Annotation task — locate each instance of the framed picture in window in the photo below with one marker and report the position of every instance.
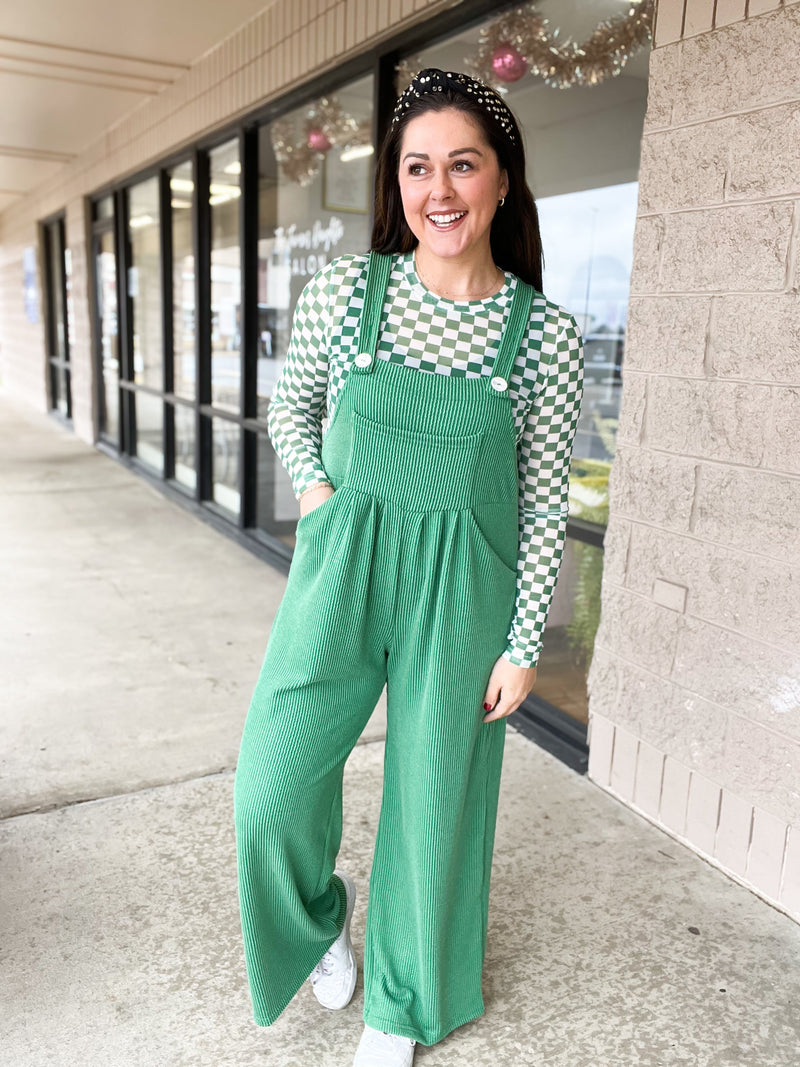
(347, 182)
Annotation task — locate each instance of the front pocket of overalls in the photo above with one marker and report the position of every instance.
(418, 469)
(490, 551)
(304, 521)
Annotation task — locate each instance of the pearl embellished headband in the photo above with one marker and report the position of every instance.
(433, 80)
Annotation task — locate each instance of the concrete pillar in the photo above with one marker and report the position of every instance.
(695, 682)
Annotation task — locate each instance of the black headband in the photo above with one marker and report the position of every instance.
(433, 80)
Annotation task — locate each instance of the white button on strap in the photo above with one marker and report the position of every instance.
(363, 359)
(499, 383)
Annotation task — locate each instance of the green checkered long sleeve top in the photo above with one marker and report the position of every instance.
(442, 336)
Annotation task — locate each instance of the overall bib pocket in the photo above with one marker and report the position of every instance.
(417, 469)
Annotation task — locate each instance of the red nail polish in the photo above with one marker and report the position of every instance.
(487, 707)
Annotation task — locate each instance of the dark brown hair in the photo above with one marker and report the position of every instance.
(515, 239)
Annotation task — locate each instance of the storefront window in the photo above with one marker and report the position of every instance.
(588, 241)
(226, 277)
(149, 429)
(183, 282)
(571, 628)
(185, 455)
(106, 279)
(104, 208)
(582, 145)
(144, 283)
(315, 201)
(184, 318)
(225, 465)
(59, 339)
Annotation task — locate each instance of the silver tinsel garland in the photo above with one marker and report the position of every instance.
(521, 37)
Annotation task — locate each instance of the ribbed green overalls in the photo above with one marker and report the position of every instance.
(404, 576)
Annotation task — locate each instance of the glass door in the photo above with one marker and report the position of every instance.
(145, 303)
(57, 279)
(108, 334)
(106, 322)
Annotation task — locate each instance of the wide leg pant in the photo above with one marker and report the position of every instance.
(419, 601)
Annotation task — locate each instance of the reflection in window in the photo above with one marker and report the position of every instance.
(225, 464)
(106, 272)
(57, 262)
(312, 208)
(185, 456)
(70, 301)
(183, 281)
(144, 283)
(588, 241)
(571, 628)
(56, 283)
(582, 152)
(276, 505)
(150, 430)
(226, 276)
(314, 205)
(104, 208)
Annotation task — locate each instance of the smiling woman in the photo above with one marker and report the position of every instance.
(449, 199)
(452, 387)
(455, 150)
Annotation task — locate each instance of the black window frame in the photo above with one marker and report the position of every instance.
(53, 230)
(98, 228)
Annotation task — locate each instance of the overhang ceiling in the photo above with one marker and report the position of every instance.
(70, 70)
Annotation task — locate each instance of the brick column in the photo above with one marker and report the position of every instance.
(695, 682)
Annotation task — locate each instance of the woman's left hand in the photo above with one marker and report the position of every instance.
(508, 686)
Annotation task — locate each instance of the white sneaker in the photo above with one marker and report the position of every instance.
(378, 1048)
(334, 978)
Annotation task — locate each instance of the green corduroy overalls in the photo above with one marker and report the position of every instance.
(405, 577)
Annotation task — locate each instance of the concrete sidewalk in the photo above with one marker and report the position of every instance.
(132, 634)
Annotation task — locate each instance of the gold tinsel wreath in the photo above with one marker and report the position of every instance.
(298, 160)
(559, 64)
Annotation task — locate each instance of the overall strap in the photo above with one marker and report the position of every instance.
(379, 267)
(518, 318)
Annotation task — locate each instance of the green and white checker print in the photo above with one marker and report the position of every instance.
(440, 336)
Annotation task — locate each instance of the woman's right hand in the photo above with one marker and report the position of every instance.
(315, 496)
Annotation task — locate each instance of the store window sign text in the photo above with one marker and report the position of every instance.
(319, 240)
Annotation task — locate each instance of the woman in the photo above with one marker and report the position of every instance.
(431, 530)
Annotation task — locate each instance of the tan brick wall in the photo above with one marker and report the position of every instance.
(695, 684)
(288, 43)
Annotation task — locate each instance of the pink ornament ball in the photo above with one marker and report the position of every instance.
(508, 64)
(318, 141)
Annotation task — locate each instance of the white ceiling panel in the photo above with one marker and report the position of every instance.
(18, 173)
(63, 118)
(171, 31)
(69, 71)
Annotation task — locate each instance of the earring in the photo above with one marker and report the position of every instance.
(501, 201)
